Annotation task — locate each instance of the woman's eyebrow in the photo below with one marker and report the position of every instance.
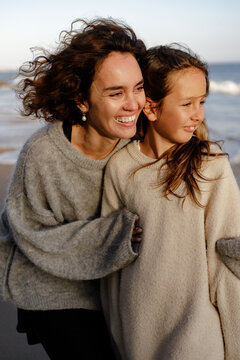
(119, 87)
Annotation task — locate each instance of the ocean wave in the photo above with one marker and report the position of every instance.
(9, 157)
(225, 87)
(4, 85)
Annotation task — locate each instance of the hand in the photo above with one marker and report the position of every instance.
(137, 232)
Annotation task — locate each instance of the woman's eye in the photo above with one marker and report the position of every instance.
(115, 94)
(203, 102)
(140, 88)
(187, 104)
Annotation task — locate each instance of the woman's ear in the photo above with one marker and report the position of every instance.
(150, 109)
(82, 106)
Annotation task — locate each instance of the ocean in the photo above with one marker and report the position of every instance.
(222, 113)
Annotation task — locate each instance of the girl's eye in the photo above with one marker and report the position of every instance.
(203, 102)
(187, 104)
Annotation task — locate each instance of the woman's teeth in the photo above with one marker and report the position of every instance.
(126, 119)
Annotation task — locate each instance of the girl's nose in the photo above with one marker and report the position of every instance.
(198, 113)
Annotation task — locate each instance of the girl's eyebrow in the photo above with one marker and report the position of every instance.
(195, 97)
(111, 88)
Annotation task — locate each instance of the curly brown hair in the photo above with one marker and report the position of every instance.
(183, 160)
(52, 83)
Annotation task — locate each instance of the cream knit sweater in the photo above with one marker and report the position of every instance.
(177, 301)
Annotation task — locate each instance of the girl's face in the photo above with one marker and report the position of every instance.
(116, 97)
(182, 110)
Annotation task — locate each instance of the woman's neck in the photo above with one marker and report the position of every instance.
(89, 143)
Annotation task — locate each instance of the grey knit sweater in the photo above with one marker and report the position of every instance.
(53, 245)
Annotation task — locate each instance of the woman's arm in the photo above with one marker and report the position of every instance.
(79, 250)
(229, 251)
(82, 249)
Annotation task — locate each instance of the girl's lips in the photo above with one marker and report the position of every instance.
(190, 128)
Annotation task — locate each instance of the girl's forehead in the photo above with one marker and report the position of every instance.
(190, 80)
(187, 83)
(187, 72)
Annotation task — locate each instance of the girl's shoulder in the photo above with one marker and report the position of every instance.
(132, 155)
(125, 154)
(124, 161)
(217, 163)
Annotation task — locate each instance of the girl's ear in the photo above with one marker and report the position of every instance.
(150, 109)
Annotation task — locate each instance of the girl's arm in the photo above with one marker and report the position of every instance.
(222, 222)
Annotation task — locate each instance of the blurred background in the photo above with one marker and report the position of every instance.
(209, 28)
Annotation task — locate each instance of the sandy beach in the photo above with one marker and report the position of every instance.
(13, 345)
(236, 171)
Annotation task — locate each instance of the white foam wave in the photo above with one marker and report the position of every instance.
(225, 87)
(9, 157)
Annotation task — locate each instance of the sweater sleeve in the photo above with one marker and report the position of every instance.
(79, 250)
(114, 185)
(222, 220)
(111, 199)
(229, 251)
(113, 195)
(84, 249)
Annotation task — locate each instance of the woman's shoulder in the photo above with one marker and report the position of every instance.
(36, 152)
(33, 140)
(39, 142)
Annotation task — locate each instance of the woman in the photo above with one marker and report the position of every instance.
(53, 244)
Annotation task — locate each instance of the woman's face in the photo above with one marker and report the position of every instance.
(116, 97)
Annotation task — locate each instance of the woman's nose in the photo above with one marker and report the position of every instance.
(131, 103)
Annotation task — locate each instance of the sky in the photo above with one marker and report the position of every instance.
(210, 28)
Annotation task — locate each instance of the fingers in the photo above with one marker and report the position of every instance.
(137, 234)
(137, 230)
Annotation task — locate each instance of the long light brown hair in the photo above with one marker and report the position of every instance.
(184, 160)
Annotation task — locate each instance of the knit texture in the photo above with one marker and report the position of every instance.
(53, 245)
(229, 251)
(177, 301)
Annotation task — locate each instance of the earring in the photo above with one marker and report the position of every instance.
(84, 118)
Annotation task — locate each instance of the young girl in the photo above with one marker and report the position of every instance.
(177, 300)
